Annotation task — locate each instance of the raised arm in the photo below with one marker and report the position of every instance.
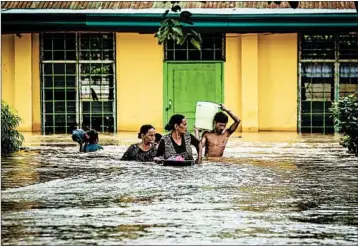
(236, 119)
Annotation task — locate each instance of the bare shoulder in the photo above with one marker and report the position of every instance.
(205, 133)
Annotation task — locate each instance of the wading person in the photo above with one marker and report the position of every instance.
(81, 137)
(178, 142)
(93, 142)
(145, 150)
(215, 141)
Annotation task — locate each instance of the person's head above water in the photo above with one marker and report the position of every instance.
(147, 133)
(178, 123)
(93, 136)
(220, 121)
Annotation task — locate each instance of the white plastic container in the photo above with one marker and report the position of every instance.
(204, 114)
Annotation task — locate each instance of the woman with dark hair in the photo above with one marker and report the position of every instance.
(146, 149)
(178, 142)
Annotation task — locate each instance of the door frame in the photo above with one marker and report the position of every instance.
(165, 83)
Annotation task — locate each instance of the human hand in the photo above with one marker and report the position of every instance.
(196, 129)
(158, 159)
(198, 160)
(223, 107)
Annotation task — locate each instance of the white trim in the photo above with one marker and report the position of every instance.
(227, 11)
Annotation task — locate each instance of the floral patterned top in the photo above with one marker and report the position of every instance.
(169, 148)
(134, 153)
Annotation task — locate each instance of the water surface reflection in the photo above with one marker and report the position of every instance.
(267, 189)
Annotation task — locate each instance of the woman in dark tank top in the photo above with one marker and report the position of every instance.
(178, 142)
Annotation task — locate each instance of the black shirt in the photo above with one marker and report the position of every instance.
(134, 153)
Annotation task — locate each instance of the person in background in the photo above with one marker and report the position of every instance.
(93, 142)
(178, 142)
(81, 137)
(146, 149)
(215, 141)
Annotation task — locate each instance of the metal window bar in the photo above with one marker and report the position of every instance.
(324, 56)
(55, 121)
(187, 52)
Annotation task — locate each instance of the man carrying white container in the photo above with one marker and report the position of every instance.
(215, 141)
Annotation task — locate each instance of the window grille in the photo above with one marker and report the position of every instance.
(72, 66)
(328, 69)
(213, 49)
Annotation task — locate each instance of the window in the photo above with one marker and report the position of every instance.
(78, 82)
(328, 69)
(213, 49)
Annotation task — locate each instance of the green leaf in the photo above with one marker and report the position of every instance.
(182, 40)
(196, 43)
(176, 23)
(178, 31)
(11, 139)
(197, 35)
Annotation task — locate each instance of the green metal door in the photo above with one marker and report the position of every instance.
(187, 83)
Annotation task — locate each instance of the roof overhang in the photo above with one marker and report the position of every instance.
(205, 20)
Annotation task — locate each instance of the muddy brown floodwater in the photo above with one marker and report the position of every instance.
(269, 188)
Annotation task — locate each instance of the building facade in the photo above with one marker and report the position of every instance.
(98, 64)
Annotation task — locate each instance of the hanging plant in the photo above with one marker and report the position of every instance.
(172, 27)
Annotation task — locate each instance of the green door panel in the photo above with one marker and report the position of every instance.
(188, 83)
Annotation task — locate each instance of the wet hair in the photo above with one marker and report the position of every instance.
(144, 129)
(175, 119)
(220, 117)
(93, 136)
(158, 137)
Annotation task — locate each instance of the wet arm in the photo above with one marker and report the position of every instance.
(200, 150)
(236, 119)
(203, 141)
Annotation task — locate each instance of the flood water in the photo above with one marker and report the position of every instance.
(270, 188)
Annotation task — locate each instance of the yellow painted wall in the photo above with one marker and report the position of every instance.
(7, 68)
(23, 80)
(278, 82)
(249, 81)
(260, 80)
(232, 75)
(139, 70)
(36, 89)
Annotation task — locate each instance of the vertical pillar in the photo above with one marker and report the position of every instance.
(250, 82)
(7, 68)
(36, 89)
(23, 81)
